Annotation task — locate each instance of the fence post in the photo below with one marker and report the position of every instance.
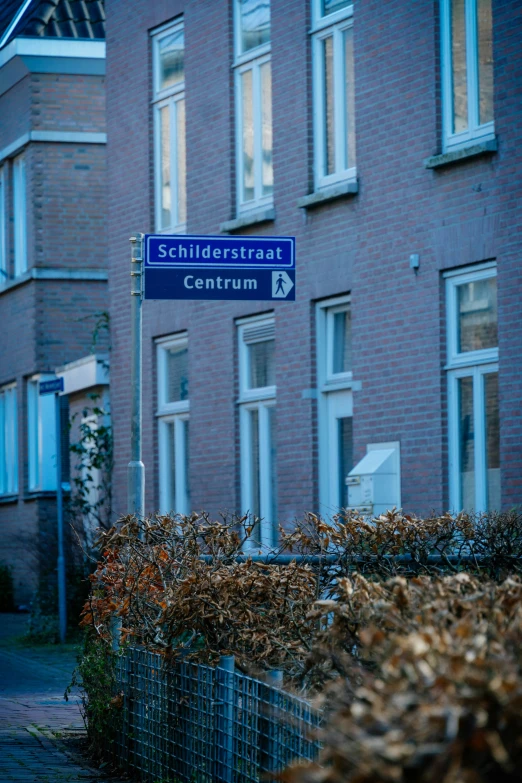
(269, 740)
(225, 720)
(115, 632)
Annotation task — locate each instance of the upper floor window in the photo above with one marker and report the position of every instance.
(473, 401)
(8, 440)
(333, 91)
(41, 431)
(255, 176)
(19, 216)
(467, 62)
(170, 174)
(257, 418)
(173, 424)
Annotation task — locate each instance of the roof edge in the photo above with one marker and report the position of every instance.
(35, 46)
(14, 22)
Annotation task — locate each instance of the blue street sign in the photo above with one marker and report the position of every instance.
(219, 267)
(51, 387)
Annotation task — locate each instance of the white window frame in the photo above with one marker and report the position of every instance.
(252, 60)
(322, 27)
(169, 97)
(3, 245)
(454, 279)
(20, 215)
(261, 400)
(475, 132)
(41, 436)
(334, 394)
(8, 440)
(172, 413)
(474, 364)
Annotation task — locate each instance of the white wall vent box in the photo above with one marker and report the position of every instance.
(374, 484)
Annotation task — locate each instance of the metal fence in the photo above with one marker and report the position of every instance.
(194, 723)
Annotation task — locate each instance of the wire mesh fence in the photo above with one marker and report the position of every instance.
(194, 723)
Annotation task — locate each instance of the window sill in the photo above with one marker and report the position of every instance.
(54, 273)
(332, 386)
(14, 282)
(39, 494)
(454, 156)
(5, 499)
(265, 215)
(331, 193)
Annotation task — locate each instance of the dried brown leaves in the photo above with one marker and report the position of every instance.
(419, 671)
(432, 685)
(180, 590)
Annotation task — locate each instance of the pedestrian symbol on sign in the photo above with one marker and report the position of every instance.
(281, 285)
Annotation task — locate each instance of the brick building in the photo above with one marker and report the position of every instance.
(386, 139)
(53, 274)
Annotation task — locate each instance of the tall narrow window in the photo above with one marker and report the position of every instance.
(474, 438)
(334, 93)
(173, 421)
(3, 248)
(334, 372)
(467, 59)
(169, 129)
(41, 431)
(258, 425)
(20, 216)
(255, 176)
(8, 440)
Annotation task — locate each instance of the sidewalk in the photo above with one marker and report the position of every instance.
(40, 733)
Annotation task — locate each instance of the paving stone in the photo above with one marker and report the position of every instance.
(32, 707)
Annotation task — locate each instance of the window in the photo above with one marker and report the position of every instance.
(474, 442)
(255, 176)
(169, 129)
(173, 421)
(257, 419)
(41, 430)
(3, 250)
(334, 372)
(467, 71)
(8, 440)
(333, 89)
(20, 216)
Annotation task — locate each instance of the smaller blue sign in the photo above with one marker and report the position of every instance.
(51, 387)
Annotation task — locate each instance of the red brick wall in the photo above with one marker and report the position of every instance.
(47, 323)
(463, 214)
(67, 102)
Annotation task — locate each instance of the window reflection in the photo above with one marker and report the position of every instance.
(254, 20)
(171, 59)
(342, 342)
(466, 444)
(459, 67)
(177, 374)
(485, 60)
(262, 364)
(331, 6)
(477, 315)
(492, 418)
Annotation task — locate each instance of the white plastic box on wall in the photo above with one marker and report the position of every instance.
(374, 484)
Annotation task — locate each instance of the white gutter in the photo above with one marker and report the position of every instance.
(77, 48)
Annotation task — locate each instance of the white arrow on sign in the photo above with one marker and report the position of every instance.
(281, 285)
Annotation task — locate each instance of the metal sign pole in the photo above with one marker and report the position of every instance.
(62, 604)
(136, 469)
